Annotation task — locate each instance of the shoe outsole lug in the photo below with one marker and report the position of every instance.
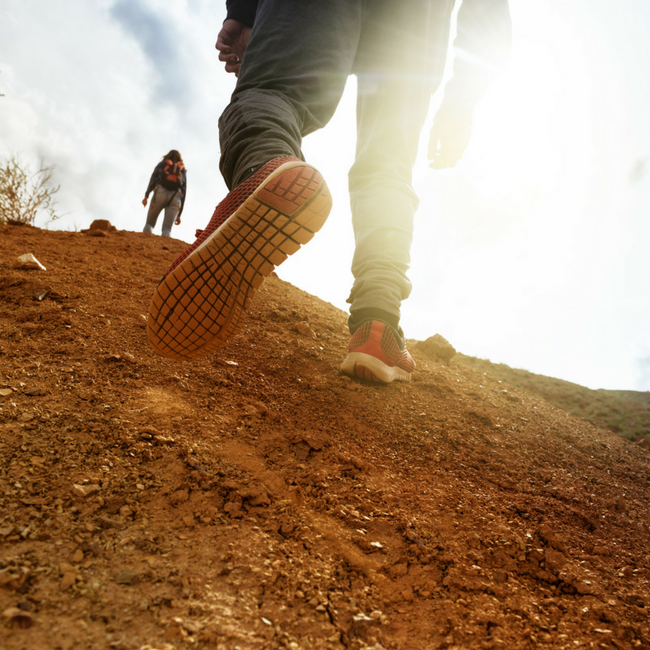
(217, 281)
(365, 366)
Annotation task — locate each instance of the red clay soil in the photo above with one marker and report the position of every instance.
(259, 499)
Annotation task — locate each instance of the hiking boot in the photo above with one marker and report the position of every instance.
(199, 303)
(375, 354)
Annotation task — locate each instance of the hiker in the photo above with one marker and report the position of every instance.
(169, 185)
(292, 59)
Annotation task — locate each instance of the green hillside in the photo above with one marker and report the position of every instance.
(624, 412)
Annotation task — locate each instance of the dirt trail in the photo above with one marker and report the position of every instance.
(258, 499)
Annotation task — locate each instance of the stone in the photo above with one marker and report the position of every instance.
(18, 618)
(398, 570)
(178, 497)
(304, 329)
(84, 490)
(28, 262)
(68, 579)
(438, 347)
(126, 577)
(102, 224)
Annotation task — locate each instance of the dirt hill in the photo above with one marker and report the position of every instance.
(625, 412)
(258, 499)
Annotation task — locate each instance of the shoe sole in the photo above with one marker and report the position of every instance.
(199, 304)
(365, 366)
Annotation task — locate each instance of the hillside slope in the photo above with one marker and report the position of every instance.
(258, 499)
(625, 412)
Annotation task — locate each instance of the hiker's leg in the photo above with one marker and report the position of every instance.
(171, 212)
(394, 89)
(156, 206)
(291, 80)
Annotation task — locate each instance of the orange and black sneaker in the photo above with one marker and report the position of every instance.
(199, 303)
(375, 354)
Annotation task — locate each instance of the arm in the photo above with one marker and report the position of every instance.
(242, 11)
(153, 181)
(482, 47)
(236, 30)
(183, 191)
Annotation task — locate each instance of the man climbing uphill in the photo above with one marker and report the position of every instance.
(292, 59)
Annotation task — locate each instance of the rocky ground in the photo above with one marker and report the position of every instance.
(259, 499)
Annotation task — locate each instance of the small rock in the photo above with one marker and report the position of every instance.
(34, 392)
(189, 521)
(102, 224)
(84, 490)
(126, 577)
(257, 497)
(78, 556)
(126, 511)
(67, 580)
(304, 329)
(178, 497)
(407, 594)
(438, 347)
(17, 617)
(39, 296)
(233, 509)
(500, 576)
(398, 570)
(107, 522)
(29, 262)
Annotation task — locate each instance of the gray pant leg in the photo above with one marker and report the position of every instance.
(171, 212)
(394, 90)
(293, 74)
(159, 202)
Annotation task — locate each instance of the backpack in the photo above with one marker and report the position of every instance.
(171, 176)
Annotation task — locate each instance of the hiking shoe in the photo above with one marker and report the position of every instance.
(199, 303)
(375, 354)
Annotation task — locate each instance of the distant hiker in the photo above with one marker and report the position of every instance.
(292, 59)
(169, 185)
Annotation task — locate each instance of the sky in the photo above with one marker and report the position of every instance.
(533, 251)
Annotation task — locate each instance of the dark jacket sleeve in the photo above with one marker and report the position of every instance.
(183, 190)
(242, 10)
(481, 49)
(155, 178)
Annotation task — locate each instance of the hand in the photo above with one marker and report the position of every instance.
(144, 201)
(231, 43)
(449, 138)
(178, 220)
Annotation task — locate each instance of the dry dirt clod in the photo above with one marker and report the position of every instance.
(67, 580)
(84, 491)
(305, 329)
(18, 618)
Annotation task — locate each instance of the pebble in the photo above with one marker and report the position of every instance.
(29, 262)
(304, 329)
(84, 490)
(67, 580)
(19, 618)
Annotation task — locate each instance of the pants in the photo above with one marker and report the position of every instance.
(170, 201)
(291, 80)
